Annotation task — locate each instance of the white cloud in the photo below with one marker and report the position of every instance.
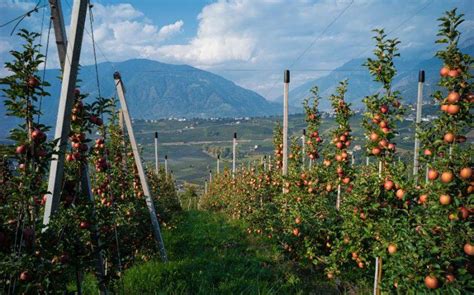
(5, 46)
(169, 30)
(114, 13)
(17, 4)
(124, 32)
(258, 35)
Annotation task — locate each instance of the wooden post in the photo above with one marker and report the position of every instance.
(157, 163)
(64, 121)
(234, 150)
(338, 200)
(59, 30)
(352, 159)
(303, 148)
(265, 163)
(205, 187)
(367, 161)
(378, 260)
(66, 100)
(376, 275)
(427, 169)
(120, 114)
(218, 163)
(210, 177)
(419, 107)
(138, 163)
(166, 165)
(286, 86)
(99, 263)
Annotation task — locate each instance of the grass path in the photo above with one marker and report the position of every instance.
(210, 255)
(207, 255)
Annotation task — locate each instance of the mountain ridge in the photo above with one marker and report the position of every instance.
(361, 83)
(157, 90)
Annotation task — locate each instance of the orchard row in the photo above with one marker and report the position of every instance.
(114, 224)
(413, 234)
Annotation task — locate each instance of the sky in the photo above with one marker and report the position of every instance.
(249, 42)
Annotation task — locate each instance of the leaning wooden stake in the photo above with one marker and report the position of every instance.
(63, 124)
(99, 261)
(419, 106)
(166, 165)
(66, 101)
(59, 30)
(286, 86)
(218, 164)
(157, 163)
(138, 163)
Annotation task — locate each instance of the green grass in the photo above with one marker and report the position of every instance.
(210, 255)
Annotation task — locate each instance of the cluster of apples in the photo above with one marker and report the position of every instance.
(313, 141)
(34, 148)
(279, 156)
(383, 144)
(79, 147)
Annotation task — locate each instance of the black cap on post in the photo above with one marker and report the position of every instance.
(235, 135)
(219, 156)
(166, 157)
(117, 76)
(304, 131)
(156, 134)
(287, 76)
(421, 76)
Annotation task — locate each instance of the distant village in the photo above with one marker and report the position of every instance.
(410, 116)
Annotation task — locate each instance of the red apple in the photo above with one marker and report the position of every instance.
(84, 225)
(453, 73)
(389, 185)
(25, 276)
(21, 149)
(33, 82)
(453, 97)
(444, 71)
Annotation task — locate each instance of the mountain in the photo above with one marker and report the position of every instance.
(361, 83)
(158, 90)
